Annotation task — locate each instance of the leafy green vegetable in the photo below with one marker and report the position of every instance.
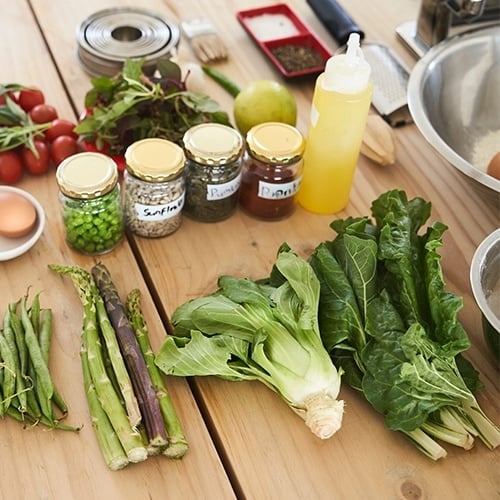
(131, 106)
(389, 323)
(250, 330)
(16, 127)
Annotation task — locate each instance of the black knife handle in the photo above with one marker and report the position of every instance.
(335, 19)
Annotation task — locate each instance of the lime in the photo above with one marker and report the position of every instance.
(264, 101)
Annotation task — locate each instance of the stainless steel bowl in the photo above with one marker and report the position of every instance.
(485, 283)
(454, 99)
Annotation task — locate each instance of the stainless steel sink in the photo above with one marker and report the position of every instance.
(454, 99)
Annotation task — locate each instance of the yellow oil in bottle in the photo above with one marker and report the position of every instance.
(332, 150)
(339, 111)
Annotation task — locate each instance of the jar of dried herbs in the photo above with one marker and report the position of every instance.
(90, 200)
(213, 171)
(272, 170)
(154, 187)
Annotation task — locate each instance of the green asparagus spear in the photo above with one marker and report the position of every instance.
(177, 444)
(111, 447)
(121, 374)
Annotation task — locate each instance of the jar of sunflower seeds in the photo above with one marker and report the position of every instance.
(154, 187)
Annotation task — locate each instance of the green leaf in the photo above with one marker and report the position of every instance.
(339, 316)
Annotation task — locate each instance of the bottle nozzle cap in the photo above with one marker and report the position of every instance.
(353, 48)
(347, 73)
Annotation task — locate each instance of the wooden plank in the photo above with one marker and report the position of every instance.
(37, 462)
(269, 450)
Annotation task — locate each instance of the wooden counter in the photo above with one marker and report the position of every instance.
(244, 441)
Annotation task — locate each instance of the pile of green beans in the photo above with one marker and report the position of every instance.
(27, 391)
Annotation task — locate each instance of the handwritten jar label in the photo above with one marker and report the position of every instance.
(159, 212)
(273, 191)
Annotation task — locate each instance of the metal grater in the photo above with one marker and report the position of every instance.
(390, 82)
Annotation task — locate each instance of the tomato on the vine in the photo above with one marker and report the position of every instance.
(11, 167)
(62, 147)
(29, 98)
(59, 127)
(34, 165)
(43, 113)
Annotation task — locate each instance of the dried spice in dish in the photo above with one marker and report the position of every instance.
(295, 57)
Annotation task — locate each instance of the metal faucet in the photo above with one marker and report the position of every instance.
(436, 18)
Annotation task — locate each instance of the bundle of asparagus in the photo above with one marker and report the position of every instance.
(132, 412)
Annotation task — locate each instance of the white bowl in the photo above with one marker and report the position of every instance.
(13, 247)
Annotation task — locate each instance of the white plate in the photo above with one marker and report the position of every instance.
(13, 247)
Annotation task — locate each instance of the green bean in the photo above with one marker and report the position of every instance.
(45, 333)
(27, 418)
(34, 313)
(45, 337)
(9, 371)
(17, 327)
(44, 386)
(32, 404)
(2, 405)
(11, 341)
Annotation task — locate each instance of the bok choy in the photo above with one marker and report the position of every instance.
(250, 330)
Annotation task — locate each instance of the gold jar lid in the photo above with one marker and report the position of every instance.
(213, 144)
(87, 175)
(154, 160)
(275, 142)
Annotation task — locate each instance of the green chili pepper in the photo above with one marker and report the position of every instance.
(224, 81)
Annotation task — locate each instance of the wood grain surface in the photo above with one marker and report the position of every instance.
(244, 441)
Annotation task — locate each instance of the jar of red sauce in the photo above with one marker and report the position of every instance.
(272, 170)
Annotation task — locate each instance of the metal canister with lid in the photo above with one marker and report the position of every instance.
(89, 195)
(154, 187)
(272, 170)
(213, 171)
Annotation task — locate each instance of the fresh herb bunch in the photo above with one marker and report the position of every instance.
(16, 127)
(131, 106)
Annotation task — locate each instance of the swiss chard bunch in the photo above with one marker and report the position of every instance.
(132, 105)
(389, 323)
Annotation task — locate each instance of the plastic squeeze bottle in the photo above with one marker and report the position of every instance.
(339, 111)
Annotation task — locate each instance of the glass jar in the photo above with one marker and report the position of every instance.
(90, 200)
(213, 171)
(272, 170)
(154, 187)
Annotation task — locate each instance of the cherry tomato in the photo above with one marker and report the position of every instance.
(60, 127)
(29, 98)
(10, 95)
(92, 147)
(34, 165)
(62, 147)
(43, 113)
(11, 167)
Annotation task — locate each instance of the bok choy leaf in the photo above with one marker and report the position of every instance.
(250, 330)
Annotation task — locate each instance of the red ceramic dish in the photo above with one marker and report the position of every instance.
(285, 39)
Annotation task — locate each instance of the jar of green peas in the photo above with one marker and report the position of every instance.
(89, 194)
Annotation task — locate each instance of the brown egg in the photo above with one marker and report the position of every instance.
(494, 166)
(17, 215)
